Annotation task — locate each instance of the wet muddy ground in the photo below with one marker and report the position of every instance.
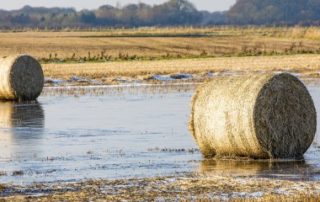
(174, 78)
(81, 138)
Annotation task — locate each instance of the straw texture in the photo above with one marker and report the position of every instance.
(21, 78)
(258, 116)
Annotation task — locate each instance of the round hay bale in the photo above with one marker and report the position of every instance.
(21, 78)
(258, 116)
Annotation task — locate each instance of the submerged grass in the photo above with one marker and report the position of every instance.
(120, 90)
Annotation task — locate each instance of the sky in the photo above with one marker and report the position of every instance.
(210, 5)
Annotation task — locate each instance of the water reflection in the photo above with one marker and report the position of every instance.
(21, 126)
(299, 170)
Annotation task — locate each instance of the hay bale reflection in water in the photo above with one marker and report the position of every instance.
(20, 125)
(282, 169)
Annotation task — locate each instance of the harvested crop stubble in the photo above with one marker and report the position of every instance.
(258, 116)
(21, 78)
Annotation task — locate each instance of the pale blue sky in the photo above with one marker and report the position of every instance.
(211, 5)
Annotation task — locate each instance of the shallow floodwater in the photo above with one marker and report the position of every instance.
(118, 132)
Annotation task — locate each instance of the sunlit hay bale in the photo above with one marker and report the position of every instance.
(258, 116)
(21, 78)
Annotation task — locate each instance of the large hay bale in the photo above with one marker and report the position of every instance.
(21, 78)
(258, 116)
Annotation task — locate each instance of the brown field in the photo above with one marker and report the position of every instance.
(307, 65)
(155, 43)
(106, 54)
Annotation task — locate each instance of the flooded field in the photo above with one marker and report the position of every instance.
(115, 132)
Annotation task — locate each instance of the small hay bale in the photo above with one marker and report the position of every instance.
(21, 78)
(258, 116)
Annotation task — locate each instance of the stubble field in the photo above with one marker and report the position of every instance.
(138, 54)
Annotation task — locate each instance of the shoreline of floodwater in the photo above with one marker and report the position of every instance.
(169, 188)
(160, 80)
(83, 162)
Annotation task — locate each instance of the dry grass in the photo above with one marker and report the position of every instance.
(308, 64)
(187, 188)
(156, 43)
(138, 53)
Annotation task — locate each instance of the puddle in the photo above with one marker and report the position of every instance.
(116, 132)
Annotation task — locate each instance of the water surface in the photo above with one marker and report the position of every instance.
(118, 132)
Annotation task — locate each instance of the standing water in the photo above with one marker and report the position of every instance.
(83, 133)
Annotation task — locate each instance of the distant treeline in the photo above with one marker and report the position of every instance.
(170, 13)
(275, 12)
